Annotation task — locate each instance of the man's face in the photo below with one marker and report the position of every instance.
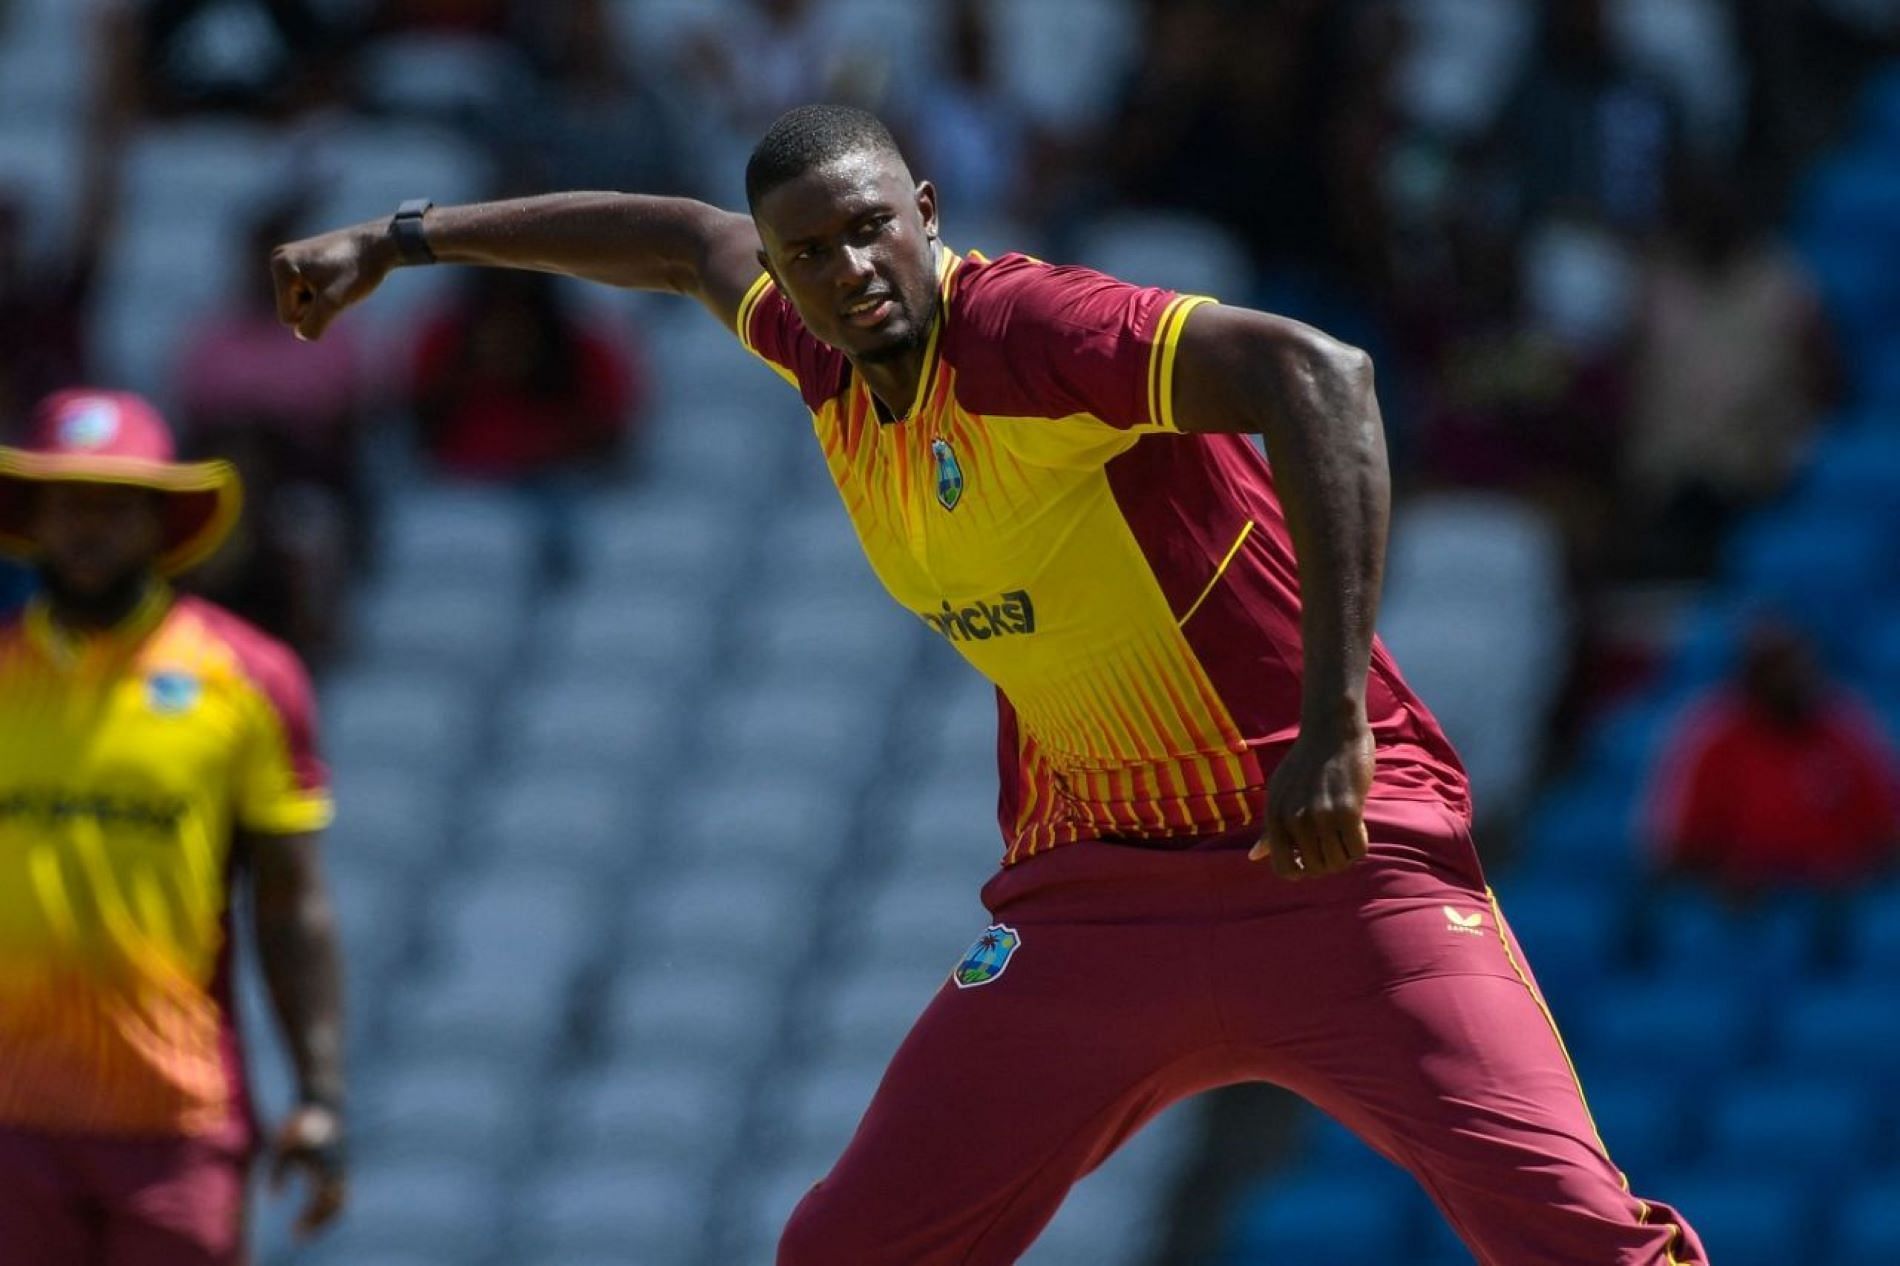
(96, 538)
(853, 246)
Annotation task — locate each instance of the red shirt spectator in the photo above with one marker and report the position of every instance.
(1778, 779)
(510, 385)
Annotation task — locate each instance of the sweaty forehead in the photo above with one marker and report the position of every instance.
(825, 199)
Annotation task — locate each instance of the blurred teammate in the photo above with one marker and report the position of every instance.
(1050, 467)
(153, 749)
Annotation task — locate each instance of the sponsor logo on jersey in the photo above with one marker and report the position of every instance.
(52, 808)
(989, 958)
(170, 693)
(1457, 920)
(980, 621)
(949, 473)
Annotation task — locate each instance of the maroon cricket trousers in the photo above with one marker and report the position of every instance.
(1392, 996)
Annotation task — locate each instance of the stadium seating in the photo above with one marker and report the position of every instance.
(1744, 1219)
(1867, 1222)
(1320, 1219)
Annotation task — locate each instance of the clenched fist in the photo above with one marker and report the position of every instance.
(318, 277)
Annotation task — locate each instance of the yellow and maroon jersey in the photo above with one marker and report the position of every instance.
(128, 761)
(1132, 592)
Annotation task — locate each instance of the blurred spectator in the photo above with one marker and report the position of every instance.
(962, 128)
(1732, 364)
(269, 56)
(45, 300)
(1591, 135)
(42, 310)
(1505, 401)
(511, 386)
(594, 121)
(462, 17)
(754, 68)
(1779, 778)
(290, 416)
(1221, 118)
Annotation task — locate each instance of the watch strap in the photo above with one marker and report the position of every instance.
(412, 243)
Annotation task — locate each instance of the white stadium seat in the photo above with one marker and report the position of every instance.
(386, 822)
(573, 819)
(445, 1208)
(866, 1015)
(795, 727)
(462, 628)
(445, 534)
(647, 1212)
(684, 1114)
(926, 927)
(668, 1006)
(715, 916)
(441, 1106)
(400, 721)
(1173, 249)
(775, 824)
(638, 634)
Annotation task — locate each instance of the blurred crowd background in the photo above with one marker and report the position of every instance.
(658, 823)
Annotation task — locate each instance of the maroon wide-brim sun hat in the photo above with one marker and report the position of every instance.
(114, 437)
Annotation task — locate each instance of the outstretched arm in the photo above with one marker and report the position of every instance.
(630, 240)
(1311, 396)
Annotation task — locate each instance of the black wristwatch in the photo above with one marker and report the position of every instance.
(412, 244)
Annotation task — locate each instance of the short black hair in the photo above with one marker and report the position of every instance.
(811, 136)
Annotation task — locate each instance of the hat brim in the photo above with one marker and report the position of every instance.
(202, 499)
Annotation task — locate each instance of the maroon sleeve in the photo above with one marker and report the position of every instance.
(282, 783)
(1053, 341)
(770, 328)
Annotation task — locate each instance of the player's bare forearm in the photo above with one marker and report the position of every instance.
(629, 240)
(302, 963)
(1312, 397)
(634, 241)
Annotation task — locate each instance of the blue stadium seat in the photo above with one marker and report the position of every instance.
(1867, 1222)
(1582, 828)
(1572, 932)
(1329, 1152)
(1853, 194)
(1873, 935)
(1841, 1029)
(1317, 1219)
(1823, 569)
(1693, 933)
(1678, 1029)
(1880, 109)
(1855, 467)
(1626, 744)
(1851, 274)
(1879, 658)
(1743, 1220)
(1643, 1122)
(1805, 1129)
(1708, 649)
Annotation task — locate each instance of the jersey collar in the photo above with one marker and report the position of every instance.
(947, 263)
(68, 648)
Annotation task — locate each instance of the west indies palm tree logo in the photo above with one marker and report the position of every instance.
(949, 473)
(987, 959)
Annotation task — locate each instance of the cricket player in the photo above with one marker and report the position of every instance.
(1052, 469)
(153, 750)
